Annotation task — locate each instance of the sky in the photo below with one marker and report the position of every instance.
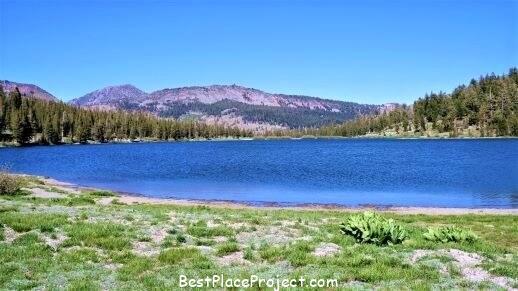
(364, 51)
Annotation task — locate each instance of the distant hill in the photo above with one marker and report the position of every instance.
(112, 97)
(231, 104)
(28, 90)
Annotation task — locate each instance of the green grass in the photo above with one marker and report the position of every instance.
(22, 222)
(227, 248)
(185, 256)
(271, 253)
(108, 236)
(75, 201)
(201, 230)
(100, 251)
(24, 263)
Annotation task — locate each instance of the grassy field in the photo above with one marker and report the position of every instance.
(54, 237)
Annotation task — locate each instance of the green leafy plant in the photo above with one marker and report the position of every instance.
(450, 234)
(370, 227)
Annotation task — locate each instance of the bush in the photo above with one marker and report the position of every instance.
(227, 248)
(370, 227)
(450, 234)
(180, 238)
(101, 193)
(9, 184)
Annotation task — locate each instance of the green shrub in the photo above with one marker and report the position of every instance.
(450, 234)
(117, 202)
(79, 200)
(370, 227)
(101, 193)
(271, 253)
(227, 248)
(83, 216)
(248, 254)
(9, 184)
(180, 238)
(8, 208)
(169, 241)
(204, 242)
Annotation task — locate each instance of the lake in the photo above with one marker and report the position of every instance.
(351, 172)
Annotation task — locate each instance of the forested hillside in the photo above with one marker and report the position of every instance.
(292, 117)
(232, 104)
(32, 120)
(486, 107)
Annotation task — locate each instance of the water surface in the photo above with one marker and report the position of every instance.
(352, 172)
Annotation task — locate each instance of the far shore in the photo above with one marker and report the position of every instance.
(261, 138)
(133, 198)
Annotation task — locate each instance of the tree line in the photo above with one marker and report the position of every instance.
(30, 120)
(292, 117)
(486, 107)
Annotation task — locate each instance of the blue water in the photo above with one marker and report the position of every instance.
(352, 172)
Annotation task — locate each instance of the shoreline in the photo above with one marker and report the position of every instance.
(135, 198)
(266, 138)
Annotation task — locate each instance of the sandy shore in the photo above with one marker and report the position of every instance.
(129, 198)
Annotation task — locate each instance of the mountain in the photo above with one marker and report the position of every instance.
(229, 104)
(27, 90)
(112, 97)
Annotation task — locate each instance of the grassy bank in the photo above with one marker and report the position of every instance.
(53, 236)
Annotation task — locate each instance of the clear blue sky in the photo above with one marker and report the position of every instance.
(364, 51)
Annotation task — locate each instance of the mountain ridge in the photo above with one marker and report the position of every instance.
(231, 104)
(234, 105)
(212, 94)
(27, 90)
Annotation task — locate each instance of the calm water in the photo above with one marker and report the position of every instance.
(454, 173)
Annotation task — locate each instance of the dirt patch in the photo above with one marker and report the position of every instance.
(238, 225)
(205, 249)
(144, 249)
(53, 242)
(419, 254)
(9, 234)
(158, 235)
(327, 249)
(270, 235)
(232, 259)
(468, 264)
(464, 258)
(211, 223)
(105, 200)
(450, 211)
(220, 239)
(41, 193)
(112, 266)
